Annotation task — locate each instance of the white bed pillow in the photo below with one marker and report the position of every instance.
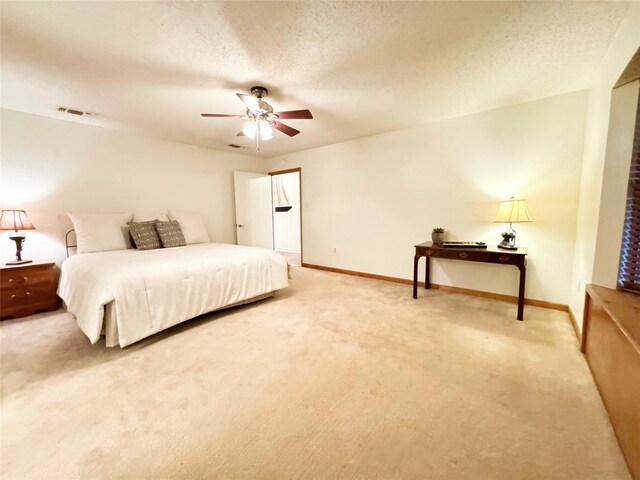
(150, 217)
(100, 232)
(192, 226)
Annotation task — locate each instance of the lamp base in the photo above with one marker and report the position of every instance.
(20, 262)
(19, 238)
(508, 239)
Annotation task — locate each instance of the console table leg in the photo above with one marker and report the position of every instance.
(427, 274)
(415, 276)
(523, 274)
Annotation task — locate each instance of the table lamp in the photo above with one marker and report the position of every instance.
(16, 220)
(511, 211)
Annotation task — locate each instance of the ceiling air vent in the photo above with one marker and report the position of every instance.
(71, 111)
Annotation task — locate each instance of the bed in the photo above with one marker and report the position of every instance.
(128, 295)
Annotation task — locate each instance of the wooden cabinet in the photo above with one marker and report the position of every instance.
(27, 289)
(611, 344)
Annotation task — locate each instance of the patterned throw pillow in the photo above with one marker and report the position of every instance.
(144, 234)
(170, 234)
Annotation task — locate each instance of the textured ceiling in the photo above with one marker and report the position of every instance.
(360, 67)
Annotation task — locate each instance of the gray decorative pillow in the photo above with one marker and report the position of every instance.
(170, 234)
(144, 235)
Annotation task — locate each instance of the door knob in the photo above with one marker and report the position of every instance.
(240, 226)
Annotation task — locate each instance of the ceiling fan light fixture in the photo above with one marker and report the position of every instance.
(250, 130)
(266, 133)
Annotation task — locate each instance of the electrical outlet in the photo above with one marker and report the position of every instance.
(335, 249)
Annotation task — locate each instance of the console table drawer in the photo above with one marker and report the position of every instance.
(472, 255)
(430, 252)
(505, 258)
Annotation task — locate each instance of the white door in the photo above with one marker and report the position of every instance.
(254, 221)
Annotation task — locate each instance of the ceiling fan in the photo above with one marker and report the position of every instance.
(262, 117)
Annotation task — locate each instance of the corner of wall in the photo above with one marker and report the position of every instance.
(621, 50)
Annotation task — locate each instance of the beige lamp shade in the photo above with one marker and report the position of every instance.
(513, 211)
(15, 220)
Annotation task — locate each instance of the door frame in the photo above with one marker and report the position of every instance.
(284, 172)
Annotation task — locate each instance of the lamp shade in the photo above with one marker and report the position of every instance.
(15, 220)
(513, 211)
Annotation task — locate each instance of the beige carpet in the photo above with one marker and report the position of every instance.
(336, 377)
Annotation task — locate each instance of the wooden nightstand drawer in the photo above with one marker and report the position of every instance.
(27, 297)
(27, 294)
(27, 289)
(29, 278)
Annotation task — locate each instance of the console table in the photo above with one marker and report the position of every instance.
(491, 254)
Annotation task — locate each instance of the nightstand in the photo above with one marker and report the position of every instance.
(28, 288)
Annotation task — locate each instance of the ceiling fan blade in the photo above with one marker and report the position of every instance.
(286, 129)
(250, 101)
(221, 115)
(295, 114)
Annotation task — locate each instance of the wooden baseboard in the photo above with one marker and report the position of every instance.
(574, 324)
(446, 288)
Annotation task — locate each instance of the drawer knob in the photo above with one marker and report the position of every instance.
(24, 279)
(463, 255)
(429, 252)
(503, 258)
(26, 294)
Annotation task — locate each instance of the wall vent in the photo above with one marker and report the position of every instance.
(71, 111)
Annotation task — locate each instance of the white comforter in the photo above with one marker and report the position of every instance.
(156, 289)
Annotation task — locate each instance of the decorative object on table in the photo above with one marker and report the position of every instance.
(284, 205)
(512, 211)
(464, 245)
(437, 235)
(508, 240)
(16, 220)
(27, 289)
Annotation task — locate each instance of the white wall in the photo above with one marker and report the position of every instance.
(50, 167)
(373, 198)
(621, 50)
(286, 225)
(615, 179)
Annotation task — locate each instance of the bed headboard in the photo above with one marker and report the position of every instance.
(67, 241)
